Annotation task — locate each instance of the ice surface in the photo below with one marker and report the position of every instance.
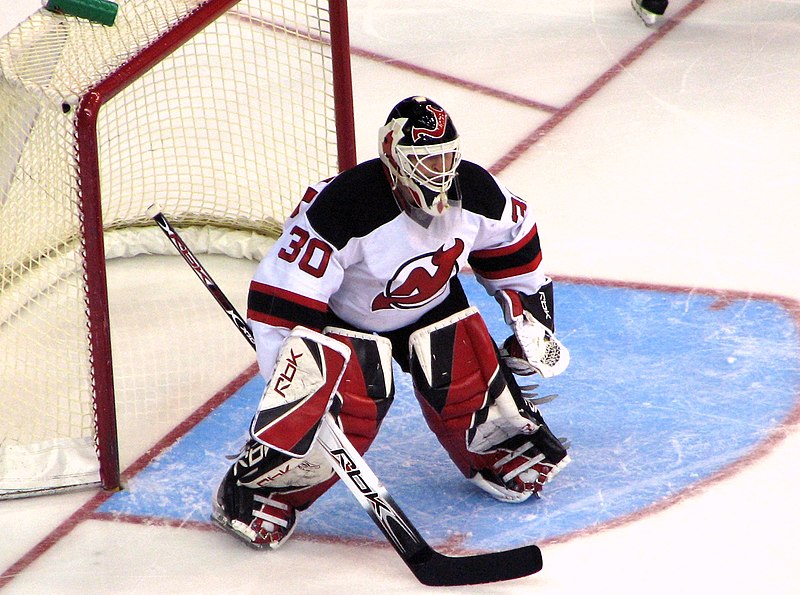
(661, 158)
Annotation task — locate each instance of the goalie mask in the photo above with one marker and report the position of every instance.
(419, 146)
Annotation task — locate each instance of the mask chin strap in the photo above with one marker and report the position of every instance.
(438, 200)
(448, 198)
(422, 216)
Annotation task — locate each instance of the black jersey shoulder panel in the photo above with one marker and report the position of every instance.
(480, 193)
(355, 203)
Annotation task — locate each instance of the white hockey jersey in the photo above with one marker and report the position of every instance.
(350, 249)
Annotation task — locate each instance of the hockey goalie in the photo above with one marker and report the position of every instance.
(366, 272)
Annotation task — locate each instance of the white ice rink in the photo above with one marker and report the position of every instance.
(666, 156)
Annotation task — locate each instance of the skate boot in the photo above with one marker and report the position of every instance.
(649, 10)
(520, 470)
(257, 517)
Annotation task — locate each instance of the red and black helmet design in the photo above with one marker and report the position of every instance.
(420, 147)
(426, 122)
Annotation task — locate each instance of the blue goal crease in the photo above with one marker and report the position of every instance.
(665, 389)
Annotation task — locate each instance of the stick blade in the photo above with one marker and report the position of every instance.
(438, 570)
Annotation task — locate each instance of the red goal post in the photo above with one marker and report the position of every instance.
(219, 111)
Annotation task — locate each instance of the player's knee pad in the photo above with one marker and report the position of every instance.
(366, 390)
(467, 400)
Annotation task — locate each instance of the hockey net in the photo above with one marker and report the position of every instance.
(219, 111)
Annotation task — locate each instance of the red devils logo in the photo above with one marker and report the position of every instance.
(438, 129)
(420, 280)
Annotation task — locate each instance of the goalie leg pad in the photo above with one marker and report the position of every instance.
(475, 407)
(365, 390)
(258, 498)
(307, 372)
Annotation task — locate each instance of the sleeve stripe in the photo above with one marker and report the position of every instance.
(510, 272)
(272, 320)
(278, 307)
(277, 292)
(506, 250)
(519, 258)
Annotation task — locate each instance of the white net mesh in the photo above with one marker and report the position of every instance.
(224, 131)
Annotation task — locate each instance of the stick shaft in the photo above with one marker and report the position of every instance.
(204, 276)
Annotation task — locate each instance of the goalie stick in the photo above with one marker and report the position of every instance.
(428, 566)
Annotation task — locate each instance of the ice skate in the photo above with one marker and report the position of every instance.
(649, 10)
(256, 517)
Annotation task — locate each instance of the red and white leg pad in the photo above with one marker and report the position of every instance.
(307, 372)
(495, 437)
(258, 498)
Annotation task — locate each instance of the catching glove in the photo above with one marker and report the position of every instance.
(533, 348)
